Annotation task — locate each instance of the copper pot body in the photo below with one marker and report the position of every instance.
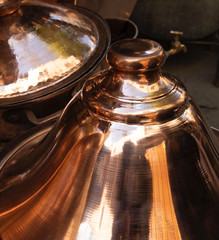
(131, 157)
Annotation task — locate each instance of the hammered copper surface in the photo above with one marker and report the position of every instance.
(131, 158)
(45, 47)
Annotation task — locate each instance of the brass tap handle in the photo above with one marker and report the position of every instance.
(8, 6)
(176, 33)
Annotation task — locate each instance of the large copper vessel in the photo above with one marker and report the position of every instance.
(130, 158)
(156, 18)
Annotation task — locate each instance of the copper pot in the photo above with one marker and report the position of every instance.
(47, 51)
(131, 157)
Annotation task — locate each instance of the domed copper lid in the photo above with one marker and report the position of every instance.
(46, 47)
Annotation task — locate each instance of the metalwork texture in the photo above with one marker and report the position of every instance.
(45, 47)
(130, 158)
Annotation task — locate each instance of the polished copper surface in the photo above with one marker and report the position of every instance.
(131, 157)
(8, 6)
(145, 56)
(46, 47)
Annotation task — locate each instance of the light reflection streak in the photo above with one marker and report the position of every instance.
(146, 91)
(50, 66)
(32, 45)
(116, 142)
(104, 217)
(117, 148)
(101, 215)
(41, 74)
(163, 222)
(87, 40)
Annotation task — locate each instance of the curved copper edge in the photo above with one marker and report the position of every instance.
(216, 132)
(9, 7)
(26, 138)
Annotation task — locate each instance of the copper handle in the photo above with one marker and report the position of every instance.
(38, 121)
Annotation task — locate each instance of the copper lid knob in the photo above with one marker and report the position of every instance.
(139, 55)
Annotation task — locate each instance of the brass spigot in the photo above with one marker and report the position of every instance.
(177, 46)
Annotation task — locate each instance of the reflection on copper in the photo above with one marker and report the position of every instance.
(115, 167)
(163, 222)
(32, 73)
(144, 89)
(102, 215)
(40, 75)
(45, 47)
(52, 203)
(116, 142)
